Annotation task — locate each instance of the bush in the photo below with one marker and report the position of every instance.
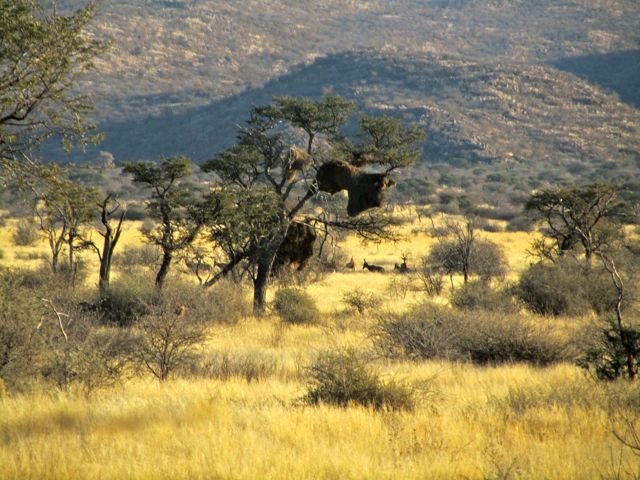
(432, 279)
(478, 295)
(19, 317)
(553, 289)
(89, 357)
(296, 306)
(361, 301)
(428, 332)
(488, 339)
(424, 332)
(125, 301)
(343, 379)
(227, 302)
(54, 340)
(606, 348)
(25, 233)
(170, 332)
(399, 285)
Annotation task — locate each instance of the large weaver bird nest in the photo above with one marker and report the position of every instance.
(365, 190)
(297, 247)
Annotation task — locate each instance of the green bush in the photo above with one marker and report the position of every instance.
(605, 350)
(125, 301)
(296, 306)
(344, 379)
(553, 289)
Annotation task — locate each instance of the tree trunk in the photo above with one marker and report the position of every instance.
(266, 256)
(70, 242)
(54, 261)
(164, 269)
(105, 266)
(260, 288)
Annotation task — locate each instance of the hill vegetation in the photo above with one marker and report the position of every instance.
(513, 94)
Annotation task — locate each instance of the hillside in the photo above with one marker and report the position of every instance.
(175, 54)
(540, 91)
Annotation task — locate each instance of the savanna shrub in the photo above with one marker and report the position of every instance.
(227, 302)
(89, 357)
(125, 301)
(296, 306)
(553, 289)
(424, 332)
(343, 379)
(25, 233)
(134, 257)
(361, 301)
(19, 317)
(490, 338)
(605, 350)
(171, 330)
(428, 331)
(478, 295)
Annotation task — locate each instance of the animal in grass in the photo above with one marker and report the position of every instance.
(372, 268)
(351, 264)
(402, 268)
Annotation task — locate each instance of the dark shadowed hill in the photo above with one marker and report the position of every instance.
(616, 71)
(516, 115)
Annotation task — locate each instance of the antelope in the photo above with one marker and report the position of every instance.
(372, 268)
(402, 268)
(351, 264)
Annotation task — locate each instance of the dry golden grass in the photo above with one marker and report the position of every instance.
(471, 422)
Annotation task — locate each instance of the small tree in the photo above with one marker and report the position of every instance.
(110, 209)
(169, 333)
(63, 208)
(460, 250)
(576, 216)
(180, 213)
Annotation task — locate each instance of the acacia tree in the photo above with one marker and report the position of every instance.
(179, 211)
(111, 217)
(460, 250)
(42, 53)
(64, 208)
(269, 187)
(574, 216)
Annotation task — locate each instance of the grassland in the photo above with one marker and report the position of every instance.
(512, 421)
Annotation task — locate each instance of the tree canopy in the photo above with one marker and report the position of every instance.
(42, 54)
